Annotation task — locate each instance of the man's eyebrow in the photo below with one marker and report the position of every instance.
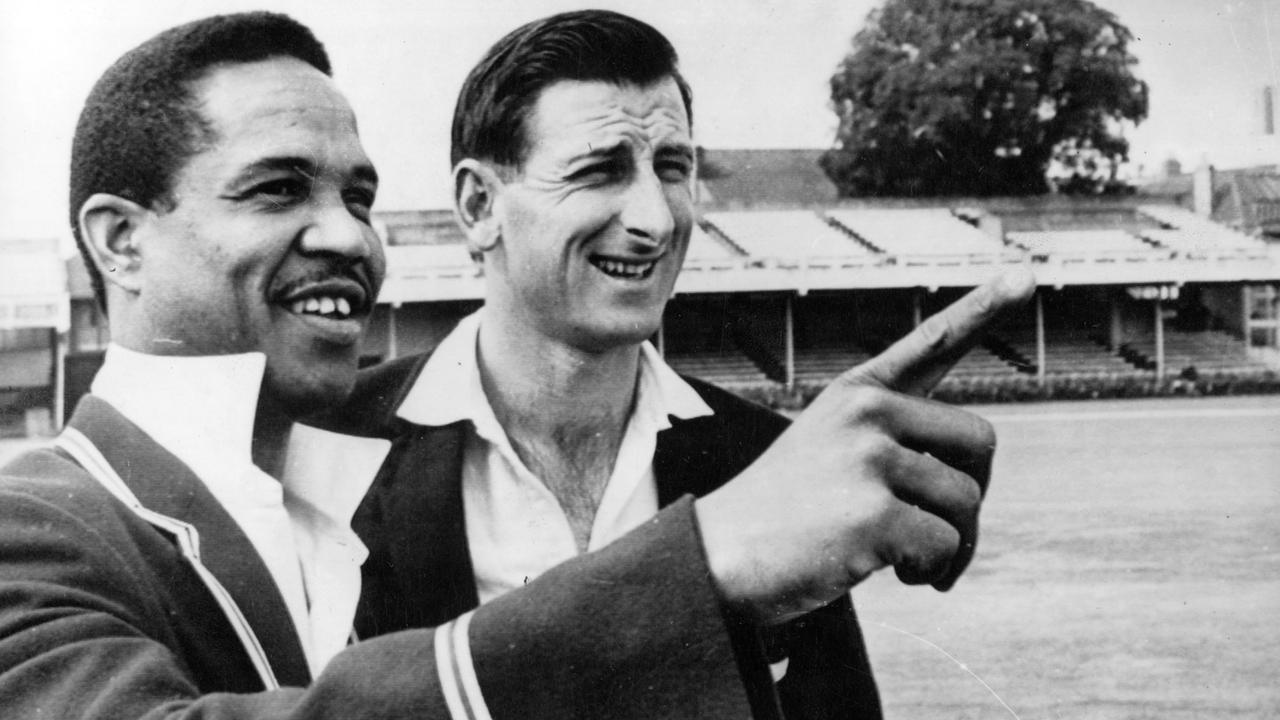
(595, 152)
(363, 172)
(682, 150)
(266, 165)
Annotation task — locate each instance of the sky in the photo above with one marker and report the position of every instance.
(759, 71)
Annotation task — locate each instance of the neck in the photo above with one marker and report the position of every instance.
(270, 438)
(563, 409)
(548, 388)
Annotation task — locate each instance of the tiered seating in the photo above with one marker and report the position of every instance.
(923, 231)
(726, 367)
(981, 362)
(1073, 353)
(1207, 352)
(786, 236)
(821, 365)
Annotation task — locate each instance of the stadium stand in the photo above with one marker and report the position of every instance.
(981, 361)
(822, 365)
(1186, 232)
(916, 231)
(728, 368)
(431, 261)
(709, 251)
(1079, 245)
(1074, 353)
(788, 238)
(1193, 353)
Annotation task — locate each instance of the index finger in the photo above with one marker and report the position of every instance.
(916, 363)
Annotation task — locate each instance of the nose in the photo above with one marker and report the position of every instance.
(646, 214)
(335, 231)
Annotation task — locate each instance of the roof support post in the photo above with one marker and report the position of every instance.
(1040, 344)
(1116, 337)
(789, 344)
(1159, 306)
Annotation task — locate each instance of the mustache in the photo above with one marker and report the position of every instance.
(328, 271)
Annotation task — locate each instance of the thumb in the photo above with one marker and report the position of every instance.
(916, 363)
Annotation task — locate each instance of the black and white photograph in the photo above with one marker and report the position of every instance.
(728, 360)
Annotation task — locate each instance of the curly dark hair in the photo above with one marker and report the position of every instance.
(140, 123)
(501, 90)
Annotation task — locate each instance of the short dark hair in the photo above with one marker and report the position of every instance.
(141, 122)
(501, 90)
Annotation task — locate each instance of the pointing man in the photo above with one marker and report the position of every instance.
(545, 426)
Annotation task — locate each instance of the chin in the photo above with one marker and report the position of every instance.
(624, 332)
(299, 397)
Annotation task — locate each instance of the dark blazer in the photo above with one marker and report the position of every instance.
(419, 570)
(102, 617)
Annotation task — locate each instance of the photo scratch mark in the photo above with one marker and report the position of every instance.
(955, 660)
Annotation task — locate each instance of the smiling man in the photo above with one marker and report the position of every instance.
(574, 167)
(545, 426)
(185, 550)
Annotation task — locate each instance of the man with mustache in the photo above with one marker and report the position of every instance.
(180, 552)
(545, 426)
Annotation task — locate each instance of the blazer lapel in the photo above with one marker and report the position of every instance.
(686, 460)
(419, 571)
(165, 485)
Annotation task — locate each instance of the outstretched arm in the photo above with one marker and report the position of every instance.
(870, 475)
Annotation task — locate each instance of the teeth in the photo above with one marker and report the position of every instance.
(625, 269)
(323, 305)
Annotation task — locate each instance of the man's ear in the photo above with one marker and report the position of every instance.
(475, 192)
(109, 228)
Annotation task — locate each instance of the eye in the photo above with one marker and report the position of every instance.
(597, 173)
(673, 170)
(359, 201)
(281, 191)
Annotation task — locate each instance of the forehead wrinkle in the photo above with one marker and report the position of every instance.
(619, 130)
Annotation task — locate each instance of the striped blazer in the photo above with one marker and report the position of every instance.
(126, 591)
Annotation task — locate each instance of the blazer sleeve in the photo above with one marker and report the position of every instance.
(86, 632)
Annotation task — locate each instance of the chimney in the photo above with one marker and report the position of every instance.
(1202, 189)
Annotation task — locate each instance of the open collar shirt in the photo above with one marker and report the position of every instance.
(515, 527)
(202, 409)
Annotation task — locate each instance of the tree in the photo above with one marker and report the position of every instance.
(984, 97)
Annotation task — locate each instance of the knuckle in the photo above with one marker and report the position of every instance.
(877, 453)
(866, 404)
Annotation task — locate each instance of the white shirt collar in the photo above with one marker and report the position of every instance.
(202, 409)
(449, 390)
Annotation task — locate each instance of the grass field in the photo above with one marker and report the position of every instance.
(1129, 567)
